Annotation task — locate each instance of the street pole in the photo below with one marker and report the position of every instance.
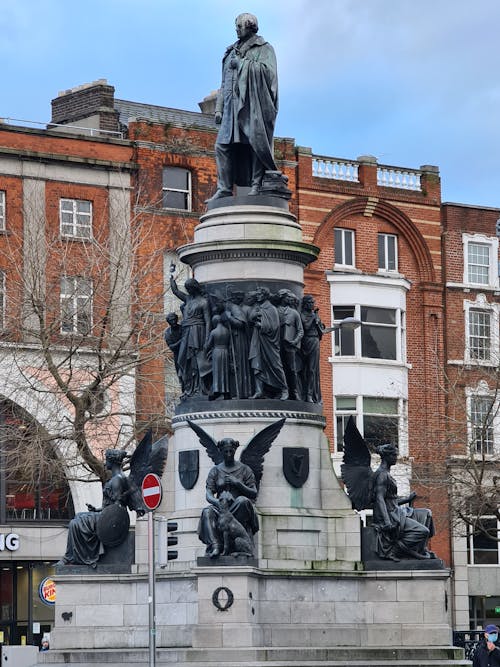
(151, 592)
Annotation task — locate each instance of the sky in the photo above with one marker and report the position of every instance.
(409, 82)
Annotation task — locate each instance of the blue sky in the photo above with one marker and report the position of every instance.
(409, 82)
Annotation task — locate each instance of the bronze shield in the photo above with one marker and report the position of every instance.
(112, 525)
(296, 465)
(189, 467)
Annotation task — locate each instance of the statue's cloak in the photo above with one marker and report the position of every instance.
(250, 104)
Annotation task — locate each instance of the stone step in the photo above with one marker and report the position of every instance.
(445, 656)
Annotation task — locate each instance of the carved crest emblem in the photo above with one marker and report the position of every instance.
(189, 467)
(296, 465)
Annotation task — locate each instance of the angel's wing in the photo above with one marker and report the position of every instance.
(257, 448)
(208, 442)
(355, 469)
(147, 457)
(158, 458)
(140, 458)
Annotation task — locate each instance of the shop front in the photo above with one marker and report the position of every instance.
(27, 598)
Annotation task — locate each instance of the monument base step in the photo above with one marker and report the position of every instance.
(405, 656)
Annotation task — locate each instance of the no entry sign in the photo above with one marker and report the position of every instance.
(151, 491)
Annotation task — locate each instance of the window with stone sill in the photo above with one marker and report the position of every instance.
(387, 252)
(483, 418)
(176, 189)
(344, 247)
(481, 424)
(76, 305)
(481, 331)
(75, 218)
(2, 211)
(480, 260)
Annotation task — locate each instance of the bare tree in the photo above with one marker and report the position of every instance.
(83, 337)
(474, 461)
(471, 477)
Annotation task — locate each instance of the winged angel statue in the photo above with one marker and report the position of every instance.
(91, 533)
(401, 532)
(228, 524)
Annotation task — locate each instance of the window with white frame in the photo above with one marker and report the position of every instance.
(479, 334)
(176, 188)
(480, 260)
(481, 421)
(344, 338)
(482, 543)
(76, 305)
(76, 218)
(379, 419)
(379, 337)
(2, 210)
(344, 246)
(481, 331)
(345, 407)
(387, 252)
(379, 331)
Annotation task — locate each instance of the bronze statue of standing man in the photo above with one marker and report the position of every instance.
(246, 110)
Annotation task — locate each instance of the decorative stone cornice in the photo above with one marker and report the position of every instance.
(251, 414)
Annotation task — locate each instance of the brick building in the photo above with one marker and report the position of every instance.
(392, 256)
(472, 304)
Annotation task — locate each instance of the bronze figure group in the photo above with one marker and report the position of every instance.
(252, 344)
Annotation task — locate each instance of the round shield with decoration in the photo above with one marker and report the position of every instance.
(113, 524)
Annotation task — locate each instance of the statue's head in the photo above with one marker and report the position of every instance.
(192, 286)
(250, 298)
(388, 452)
(283, 295)
(227, 447)
(246, 25)
(215, 320)
(237, 296)
(262, 294)
(308, 302)
(115, 457)
(172, 319)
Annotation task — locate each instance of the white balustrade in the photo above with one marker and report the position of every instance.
(347, 170)
(405, 179)
(341, 170)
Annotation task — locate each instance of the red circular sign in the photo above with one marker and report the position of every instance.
(151, 491)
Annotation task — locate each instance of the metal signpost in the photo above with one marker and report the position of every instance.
(151, 494)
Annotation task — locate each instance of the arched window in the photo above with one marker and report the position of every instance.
(33, 484)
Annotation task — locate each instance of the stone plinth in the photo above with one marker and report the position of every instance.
(268, 608)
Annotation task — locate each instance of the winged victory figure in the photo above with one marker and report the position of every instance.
(401, 532)
(91, 533)
(231, 490)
